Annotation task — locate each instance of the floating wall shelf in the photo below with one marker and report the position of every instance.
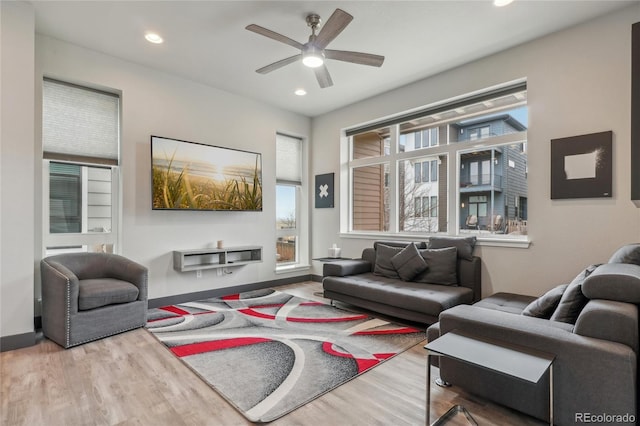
(209, 258)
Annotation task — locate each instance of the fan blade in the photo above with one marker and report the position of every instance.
(334, 26)
(355, 57)
(274, 35)
(323, 76)
(274, 66)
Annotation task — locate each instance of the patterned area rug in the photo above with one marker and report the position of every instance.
(268, 352)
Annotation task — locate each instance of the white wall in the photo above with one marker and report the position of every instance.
(16, 169)
(579, 82)
(156, 103)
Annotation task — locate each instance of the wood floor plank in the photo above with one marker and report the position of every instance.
(132, 379)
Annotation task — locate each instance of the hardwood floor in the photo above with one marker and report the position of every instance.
(131, 379)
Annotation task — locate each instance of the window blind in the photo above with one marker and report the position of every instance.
(484, 96)
(288, 160)
(79, 124)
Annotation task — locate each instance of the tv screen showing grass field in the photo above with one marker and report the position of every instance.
(194, 176)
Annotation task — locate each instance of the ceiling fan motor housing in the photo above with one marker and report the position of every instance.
(313, 21)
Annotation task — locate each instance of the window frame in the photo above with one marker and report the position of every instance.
(85, 240)
(58, 242)
(452, 149)
(301, 230)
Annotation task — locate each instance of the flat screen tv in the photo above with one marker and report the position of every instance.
(195, 176)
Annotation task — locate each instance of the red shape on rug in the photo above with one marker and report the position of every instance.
(254, 313)
(232, 297)
(175, 310)
(363, 363)
(215, 345)
(404, 330)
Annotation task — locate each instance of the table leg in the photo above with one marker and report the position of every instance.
(428, 407)
(551, 394)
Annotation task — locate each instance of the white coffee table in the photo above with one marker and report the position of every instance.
(516, 361)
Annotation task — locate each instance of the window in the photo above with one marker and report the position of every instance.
(80, 138)
(288, 191)
(400, 174)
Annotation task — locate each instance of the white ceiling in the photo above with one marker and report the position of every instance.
(206, 41)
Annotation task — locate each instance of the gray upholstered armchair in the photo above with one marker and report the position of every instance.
(88, 296)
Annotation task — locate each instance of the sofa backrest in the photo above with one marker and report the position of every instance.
(469, 273)
(613, 290)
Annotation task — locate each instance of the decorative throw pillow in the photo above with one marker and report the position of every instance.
(442, 266)
(627, 254)
(464, 245)
(572, 300)
(409, 262)
(545, 305)
(383, 264)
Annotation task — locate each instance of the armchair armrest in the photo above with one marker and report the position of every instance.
(61, 289)
(124, 269)
(346, 267)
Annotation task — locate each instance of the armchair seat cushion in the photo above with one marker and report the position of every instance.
(96, 293)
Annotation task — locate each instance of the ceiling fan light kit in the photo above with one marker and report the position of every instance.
(312, 56)
(313, 52)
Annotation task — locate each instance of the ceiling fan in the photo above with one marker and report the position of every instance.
(314, 52)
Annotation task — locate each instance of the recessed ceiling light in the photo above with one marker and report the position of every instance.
(300, 92)
(153, 38)
(501, 3)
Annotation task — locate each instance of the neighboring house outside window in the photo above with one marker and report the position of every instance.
(400, 179)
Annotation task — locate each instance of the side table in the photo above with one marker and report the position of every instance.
(513, 360)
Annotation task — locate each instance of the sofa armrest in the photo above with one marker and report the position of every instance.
(609, 320)
(346, 267)
(470, 276)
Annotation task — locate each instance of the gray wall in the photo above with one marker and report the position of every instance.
(17, 170)
(155, 103)
(579, 82)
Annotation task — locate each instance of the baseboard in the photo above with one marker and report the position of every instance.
(190, 297)
(17, 341)
(316, 278)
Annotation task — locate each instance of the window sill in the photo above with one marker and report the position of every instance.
(520, 243)
(285, 269)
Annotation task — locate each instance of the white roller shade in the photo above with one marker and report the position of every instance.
(288, 159)
(79, 124)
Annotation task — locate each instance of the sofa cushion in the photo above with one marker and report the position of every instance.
(441, 265)
(572, 300)
(430, 299)
(383, 265)
(627, 254)
(505, 302)
(614, 281)
(408, 262)
(465, 245)
(545, 305)
(95, 293)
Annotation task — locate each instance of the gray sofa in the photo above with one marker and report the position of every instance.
(591, 325)
(366, 283)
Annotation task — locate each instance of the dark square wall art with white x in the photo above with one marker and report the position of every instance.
(324, 191)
